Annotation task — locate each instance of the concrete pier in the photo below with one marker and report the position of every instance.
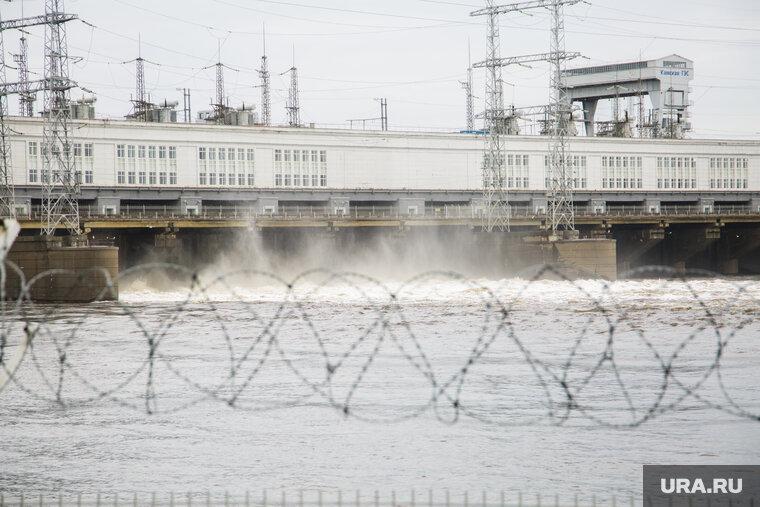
(597, 256)
(81, 278)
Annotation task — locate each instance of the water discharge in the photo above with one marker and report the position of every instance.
(239, 378)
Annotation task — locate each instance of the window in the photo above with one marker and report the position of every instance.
(131, 165)
(323, 168)
(121, 163)
(314, 169)
(172, 165)
(278, 167)
(287, 168)
(33, 162)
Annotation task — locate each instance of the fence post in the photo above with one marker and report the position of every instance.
(466, 499)
(413, 497)
(377, 498)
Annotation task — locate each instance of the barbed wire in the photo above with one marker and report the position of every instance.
(389, 354)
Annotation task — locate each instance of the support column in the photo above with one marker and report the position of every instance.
(589, 111)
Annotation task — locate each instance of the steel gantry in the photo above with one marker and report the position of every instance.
(495, 192)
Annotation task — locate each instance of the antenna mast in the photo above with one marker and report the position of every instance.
(141, 107)
(26, 97)
(294, 110)
(467, 85)
(266, 101)
(219, 107)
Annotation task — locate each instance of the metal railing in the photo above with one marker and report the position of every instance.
(379, 212)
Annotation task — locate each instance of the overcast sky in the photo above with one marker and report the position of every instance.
(412, 52)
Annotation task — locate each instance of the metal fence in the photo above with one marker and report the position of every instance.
(317, 498)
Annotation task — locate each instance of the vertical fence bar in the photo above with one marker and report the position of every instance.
(300, 498)
(593, 500)
(319, 498)
(538, 499)
(60, 500)
(485, 503)
(189, 499)
(264, 497)
(466, 499)
(116, 499)
(171, 499)
(377, 498)
(576, 500)
(21, 500)
(284, 502)
(519, 498)
(448, 498)
(358, 498)
(42, 502)
(501, 504)
(340, 498)
(153, 499)
(208, 498)
(393, 498)
(413, 498)
(430, 497)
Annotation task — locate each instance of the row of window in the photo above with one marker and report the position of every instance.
(83, 162)
(226, 166)
(676, 172)
(576, 167)
(146, 164)
(621, 172)
(300, 168)
(151, 165)
(728, 172)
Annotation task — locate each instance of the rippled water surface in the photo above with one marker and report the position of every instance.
(346, 382)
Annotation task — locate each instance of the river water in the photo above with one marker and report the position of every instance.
(244, 381)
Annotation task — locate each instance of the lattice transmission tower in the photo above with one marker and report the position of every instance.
(59, 178)
(559, 195)
(60, 184)
(495, 196)
(7, 208)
